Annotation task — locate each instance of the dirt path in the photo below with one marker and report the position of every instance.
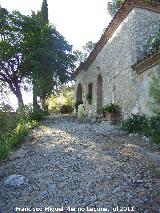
(83, 166)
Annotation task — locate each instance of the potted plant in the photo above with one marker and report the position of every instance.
(111, 113)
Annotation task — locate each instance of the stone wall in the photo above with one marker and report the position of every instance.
(122, 85)
(144, 79)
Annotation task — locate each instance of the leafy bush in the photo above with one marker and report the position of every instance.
(154, 128)
(8, 121)
(15, 125)
(64, 97)
(135, 124)
(9, 140)
(37, 115)
(66, 109)
(70, 98)
(143, 125)
(4, 145)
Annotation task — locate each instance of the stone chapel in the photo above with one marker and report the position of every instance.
(116, 71)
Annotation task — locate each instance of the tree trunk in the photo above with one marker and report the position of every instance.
(35, 103)
(44, 103)
(17, 92)
(16, 89)
(19, 98)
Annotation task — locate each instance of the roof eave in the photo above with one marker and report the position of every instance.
(113, 25)
(147, 63)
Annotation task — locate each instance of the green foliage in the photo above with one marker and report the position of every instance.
(54, 65)
(65, 96)
(110, 108)
(8, 121)
(9, 140)
(154, 128)
(44, 11)
(135, 124)
(89, 99)
(113, 6)
(154, 92)
(143, 125)
(66, 109)
(52, 104)
(33, 50)
(15, 125)
(5, 146)
(23, 114)
(51, 61)
(152, 45)
(88, 47)
(11, 51)
(37, 115)
(149, 127)
(81, 56)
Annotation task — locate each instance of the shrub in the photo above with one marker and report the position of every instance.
(23, 114)
(70, 98)
(143, 125)
(10, 140)
(135, 124)
(154, 131)
(4, 145)
(14, 126)
(37, 115)
(65, 96)
(8, 121)
(66, 109)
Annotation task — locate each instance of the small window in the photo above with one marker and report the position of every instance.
(90, 85)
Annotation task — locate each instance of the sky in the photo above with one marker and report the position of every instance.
(79, 21)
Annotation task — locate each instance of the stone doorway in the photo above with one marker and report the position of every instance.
(99, 94)
(79, 93)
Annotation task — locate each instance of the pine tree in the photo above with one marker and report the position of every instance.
(56, 62)
(44, 11)
(43, 18)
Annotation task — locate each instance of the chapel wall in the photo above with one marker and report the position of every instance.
(121, 85)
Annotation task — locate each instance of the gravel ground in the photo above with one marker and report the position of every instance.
(89, 167)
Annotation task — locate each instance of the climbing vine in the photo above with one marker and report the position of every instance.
(152, 46)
